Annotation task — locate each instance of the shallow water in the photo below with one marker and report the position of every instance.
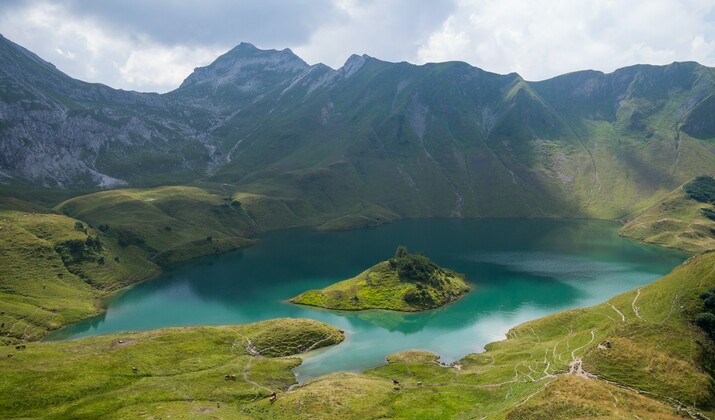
(522, 269)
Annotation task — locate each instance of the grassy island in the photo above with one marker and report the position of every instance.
(407, 282)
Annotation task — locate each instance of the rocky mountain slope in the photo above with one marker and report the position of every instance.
(444, 139)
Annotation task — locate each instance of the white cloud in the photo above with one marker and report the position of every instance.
(389, 30)
(550, 37)
(162, 66)
(86, 50)
(153, 46)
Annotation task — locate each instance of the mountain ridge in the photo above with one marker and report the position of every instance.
(438, 139)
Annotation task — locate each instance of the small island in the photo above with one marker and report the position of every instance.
(408, 283)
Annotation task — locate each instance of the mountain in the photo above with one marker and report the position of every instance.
(444, 139)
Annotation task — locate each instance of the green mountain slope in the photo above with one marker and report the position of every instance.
(56, 265)
(199, 371)
(639, 354)
(676, 221)
(436, 140)
(168, 224)
(54, 268)
(452, 140)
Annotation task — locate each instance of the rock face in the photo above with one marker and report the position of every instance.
(444, 139)
(57, 131)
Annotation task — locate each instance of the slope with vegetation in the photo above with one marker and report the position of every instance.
(370, 141)
(58, 264)
(639, 354)
(407, 282)
(684, 219)
(167, 224)
(195, 371)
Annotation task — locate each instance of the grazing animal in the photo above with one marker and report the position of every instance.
(272, 398)
(9, 355)
(395, 382)
(419, 383)
(135, 369)
(229, 377)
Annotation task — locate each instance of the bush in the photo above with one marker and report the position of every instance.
(80, 227)
(701, 189)
(126, 238)
(77, 251)
(401, 252)
(709, 213)
(418, 298)
(103, 228)
(414, 267)
(708, 299)
(706, 321)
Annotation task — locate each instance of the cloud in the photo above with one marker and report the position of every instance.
(85, 49)
(390, 30)
(550, 37)
(218, 22)
(154, 45)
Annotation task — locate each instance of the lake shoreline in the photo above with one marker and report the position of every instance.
(103, 301)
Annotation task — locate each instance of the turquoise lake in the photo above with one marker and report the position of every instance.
(521, 270)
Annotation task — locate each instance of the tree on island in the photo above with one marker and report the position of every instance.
(415, 268)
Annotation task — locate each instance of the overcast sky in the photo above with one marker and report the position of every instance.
(153, 45)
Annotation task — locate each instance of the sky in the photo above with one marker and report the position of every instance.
(153, 45)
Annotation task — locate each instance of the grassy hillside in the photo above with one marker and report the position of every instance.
(178, 371)
(57, 263)
(448, 139)
(407, 283)
(56, 266)
(676, 221)
(639, 354)
(169, 224)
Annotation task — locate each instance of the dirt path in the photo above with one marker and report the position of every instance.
(248, 379)
(573, 352)
(635, 308)
(623, 317)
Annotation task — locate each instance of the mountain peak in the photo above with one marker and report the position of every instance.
(354, 63)
(246, 61)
